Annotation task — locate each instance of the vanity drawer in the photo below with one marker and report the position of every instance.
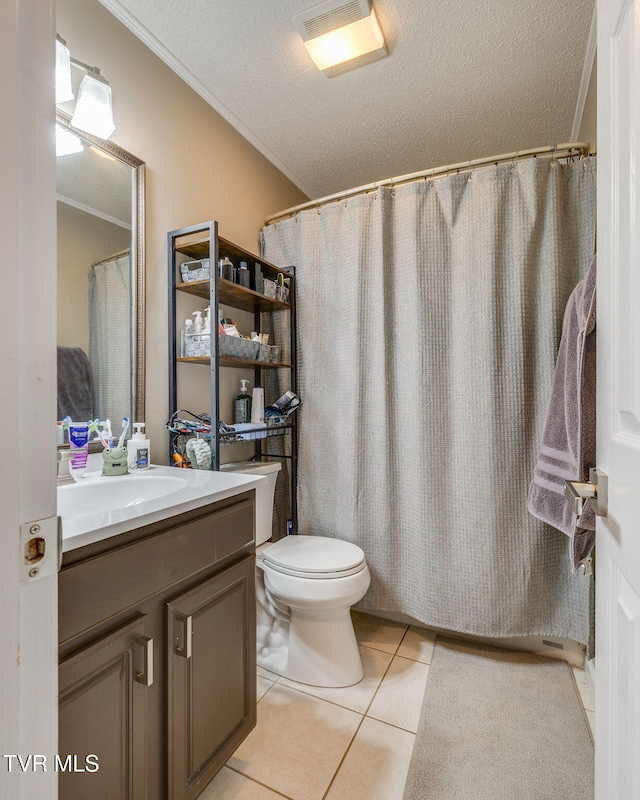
(94, 590)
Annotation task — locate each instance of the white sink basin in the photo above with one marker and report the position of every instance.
(109, 493)
(97, 506)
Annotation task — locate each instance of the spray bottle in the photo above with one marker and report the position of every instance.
(242, 405)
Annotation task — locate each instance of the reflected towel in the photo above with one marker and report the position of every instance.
(75, 393)
(568, 446)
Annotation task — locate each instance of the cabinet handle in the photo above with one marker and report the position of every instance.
(146, 676)
(185, 651)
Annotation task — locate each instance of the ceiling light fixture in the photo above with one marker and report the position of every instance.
(341, 35)
(94, 111)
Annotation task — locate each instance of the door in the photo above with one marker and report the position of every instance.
(618, 534)
(212, 676)
(103, 717)
(28, 655)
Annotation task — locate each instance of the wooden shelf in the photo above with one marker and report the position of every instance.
(232, 294)
(230, 361)
(200, 249)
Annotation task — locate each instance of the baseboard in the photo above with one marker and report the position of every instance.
(550, 646)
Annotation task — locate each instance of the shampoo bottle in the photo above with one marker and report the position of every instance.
(242, 405)
(139, 449)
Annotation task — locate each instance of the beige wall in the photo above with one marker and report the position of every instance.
(198, 168)
(589, 124)
(83, 240)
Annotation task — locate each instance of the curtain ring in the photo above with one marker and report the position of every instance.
(345, 198)
(470, 176)
(515, 162)
(318, 209)
(393, 190)
(586, 162)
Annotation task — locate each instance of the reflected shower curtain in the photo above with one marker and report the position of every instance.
(429, 318)
(110, 337)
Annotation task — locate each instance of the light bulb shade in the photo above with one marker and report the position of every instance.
(94, 113)
(350, 46)
(64, 92)
(67, 143)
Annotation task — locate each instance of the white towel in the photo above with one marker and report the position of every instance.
(568, 446)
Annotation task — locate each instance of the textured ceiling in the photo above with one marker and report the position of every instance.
(96, 182)
(463, 80)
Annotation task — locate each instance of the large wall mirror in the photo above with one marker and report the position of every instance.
(100, 338)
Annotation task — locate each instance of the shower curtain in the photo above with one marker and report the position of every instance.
(110, 337)
(429, 317)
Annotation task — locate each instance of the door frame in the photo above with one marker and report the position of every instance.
(28, 656)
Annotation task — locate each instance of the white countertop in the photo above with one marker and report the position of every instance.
(90, 509)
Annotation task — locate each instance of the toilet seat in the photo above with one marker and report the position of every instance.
(315, 557)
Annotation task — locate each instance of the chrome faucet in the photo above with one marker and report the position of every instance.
(64, 461)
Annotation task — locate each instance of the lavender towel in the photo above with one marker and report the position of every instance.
(568, 447)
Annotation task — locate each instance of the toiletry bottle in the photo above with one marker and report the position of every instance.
(79, 446)
(186, 341)
(139, 449)
(206, 331)
(258, 278)
(257, 405)
(243, 275)
(242, 405)
(198, 325)
(227, 269)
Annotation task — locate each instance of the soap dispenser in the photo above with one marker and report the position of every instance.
(198, 324)
(242, 405)
(139, 449)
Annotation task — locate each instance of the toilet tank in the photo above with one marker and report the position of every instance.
(264, 494)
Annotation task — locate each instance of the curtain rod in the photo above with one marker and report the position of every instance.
(566, 148)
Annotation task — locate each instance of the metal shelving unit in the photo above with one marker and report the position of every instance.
(202, 241)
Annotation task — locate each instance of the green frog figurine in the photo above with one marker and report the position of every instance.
(115, 461)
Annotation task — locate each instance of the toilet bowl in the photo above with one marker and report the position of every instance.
(305, 587)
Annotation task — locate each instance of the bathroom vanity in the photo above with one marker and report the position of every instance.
(157, 651)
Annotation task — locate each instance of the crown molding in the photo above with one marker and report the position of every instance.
(587, 67)
(148, 39)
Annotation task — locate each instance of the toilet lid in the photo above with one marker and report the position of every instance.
(314, 556)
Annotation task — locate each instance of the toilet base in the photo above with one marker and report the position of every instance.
(318, 648)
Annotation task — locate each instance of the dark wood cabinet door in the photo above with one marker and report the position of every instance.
(211, 676)
(103, 710)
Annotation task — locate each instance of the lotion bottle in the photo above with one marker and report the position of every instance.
(139, 449)
(242, 405)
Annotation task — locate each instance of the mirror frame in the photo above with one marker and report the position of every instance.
(138, 256)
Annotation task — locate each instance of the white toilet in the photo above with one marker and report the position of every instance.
(305, 587)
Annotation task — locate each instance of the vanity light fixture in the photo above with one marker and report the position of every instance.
(64, 92)
(341, 35)
(93, 112)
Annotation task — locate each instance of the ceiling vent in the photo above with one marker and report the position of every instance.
(331, 15)
(341, 35)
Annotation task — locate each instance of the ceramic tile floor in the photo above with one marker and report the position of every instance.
(341, 744)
